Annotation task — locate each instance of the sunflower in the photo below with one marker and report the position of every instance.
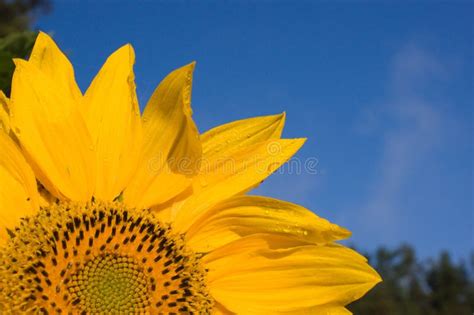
(105, 210)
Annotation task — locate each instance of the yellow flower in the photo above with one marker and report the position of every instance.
(106, 210)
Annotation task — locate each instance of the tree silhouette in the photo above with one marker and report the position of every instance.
(411, 287)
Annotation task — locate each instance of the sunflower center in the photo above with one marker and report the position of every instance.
(99, 258)
(111, 283)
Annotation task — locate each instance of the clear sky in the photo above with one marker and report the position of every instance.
(383, 92)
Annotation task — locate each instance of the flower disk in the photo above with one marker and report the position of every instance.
(100, 257)
(111, 283)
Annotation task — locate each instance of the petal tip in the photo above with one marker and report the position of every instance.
(280, 116)
(43, 36)
(189, 68)
(129, 48)
(125, 52)
(300, 141)
(19, 63)
(281, 123)
(342, 231)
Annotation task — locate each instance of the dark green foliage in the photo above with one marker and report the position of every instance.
(17, 15)
(16, 41)
(16, 45)
(411, 287)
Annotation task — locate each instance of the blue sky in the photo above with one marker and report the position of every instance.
(383, 92)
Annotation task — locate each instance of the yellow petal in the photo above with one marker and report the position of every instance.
(4, 113)
(47, 57)
(113, 117)
(225, 177)
(267, 273)
(18, 193)
(222, 142)
(246, 215)
(166, 185)
(168, 126)
(320, 310)
(171, 145)
(221, 310)
(52, 133)
(225, 139)
(45, 197)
